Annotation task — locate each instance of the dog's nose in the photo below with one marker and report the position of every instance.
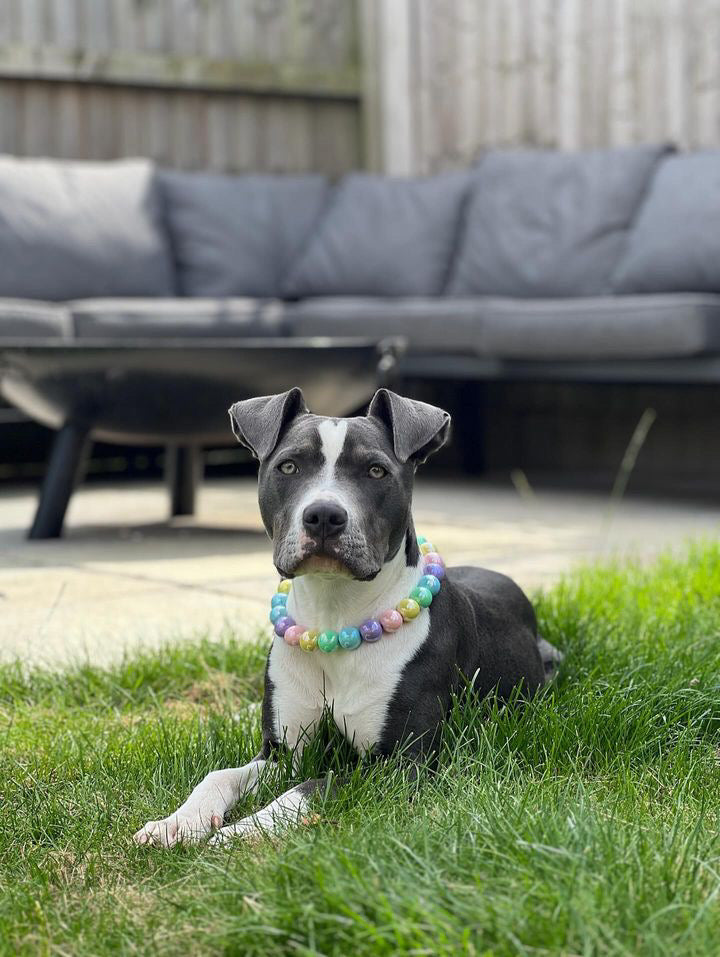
(324, 519)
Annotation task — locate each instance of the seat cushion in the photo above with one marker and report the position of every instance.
(22, 319)
(95, 319)
(674, 245)
(237, 235)
(542, 223)
(622, 327)
(383, 236)
(429, 325)
(70, 229)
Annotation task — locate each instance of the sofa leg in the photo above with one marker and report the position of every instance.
(183, 473)
(65, 470)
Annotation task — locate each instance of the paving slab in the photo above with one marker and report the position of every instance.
(124, 577)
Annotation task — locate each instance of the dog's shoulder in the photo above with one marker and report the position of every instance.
(494, 598)
(482, 629)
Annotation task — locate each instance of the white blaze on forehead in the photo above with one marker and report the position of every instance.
(332, 434)
(324, 485)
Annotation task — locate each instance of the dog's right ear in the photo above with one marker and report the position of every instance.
(258, 423)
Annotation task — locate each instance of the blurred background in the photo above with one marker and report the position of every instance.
(396, 86)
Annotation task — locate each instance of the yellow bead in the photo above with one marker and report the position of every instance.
(425, 548)
(408, 608)
(308, 640)
(284, 586)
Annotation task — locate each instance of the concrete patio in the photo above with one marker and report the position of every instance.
(122, 577)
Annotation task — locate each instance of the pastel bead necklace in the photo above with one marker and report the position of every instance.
(372, 629)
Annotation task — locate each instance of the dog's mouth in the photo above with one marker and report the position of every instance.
(323, 565)
(329, 564)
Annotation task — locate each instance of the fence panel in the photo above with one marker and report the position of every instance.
(221, 84)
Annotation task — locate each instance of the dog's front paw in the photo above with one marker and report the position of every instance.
(182, 827)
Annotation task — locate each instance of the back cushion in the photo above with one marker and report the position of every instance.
(543, 223)
(674, 245)
(383, 236)
(236, 235)
(71, 230)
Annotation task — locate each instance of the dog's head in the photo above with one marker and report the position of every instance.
(335, 494)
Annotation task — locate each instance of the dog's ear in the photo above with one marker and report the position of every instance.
(418, 429)
(257, 423)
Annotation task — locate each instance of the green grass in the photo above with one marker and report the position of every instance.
(584, 823)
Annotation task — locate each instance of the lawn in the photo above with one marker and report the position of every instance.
(584, 823)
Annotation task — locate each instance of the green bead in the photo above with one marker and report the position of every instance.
(327, 641)
(421, 539)
(423, 596)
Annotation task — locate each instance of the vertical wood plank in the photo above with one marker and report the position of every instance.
(704, 26)
(65, 28)
(675, 71)
(541, 74)
(10, 118)
(567, 102)
(69, 108)
(621, 126)
(396, 95)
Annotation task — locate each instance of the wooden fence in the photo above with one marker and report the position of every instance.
(456, 76)
(219, 84)
(404, 86)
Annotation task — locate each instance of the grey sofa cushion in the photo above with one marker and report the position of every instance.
(22, 319)
(429, 325)
(172, 318)
(674, 245)
(611, 327)
(383, 236)
(622, 327)
(542, 223)
(237, 235)
(81, 229)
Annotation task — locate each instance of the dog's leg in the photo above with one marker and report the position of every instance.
(205, 809)
(281, 813)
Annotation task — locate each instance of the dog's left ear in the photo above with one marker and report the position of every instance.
(418, 429)
(257, 423)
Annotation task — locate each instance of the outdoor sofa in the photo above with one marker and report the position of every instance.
(136, 304)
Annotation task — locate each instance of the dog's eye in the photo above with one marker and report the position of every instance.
(288, 467)
(377, 471)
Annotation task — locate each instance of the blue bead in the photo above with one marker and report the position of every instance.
(277, 612)
(349, 638)
(279, 599)
(430, 582)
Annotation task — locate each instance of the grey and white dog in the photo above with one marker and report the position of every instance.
(335, 497)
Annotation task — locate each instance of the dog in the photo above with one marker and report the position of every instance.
(335, 497)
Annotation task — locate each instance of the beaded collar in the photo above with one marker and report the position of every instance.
(387, 622)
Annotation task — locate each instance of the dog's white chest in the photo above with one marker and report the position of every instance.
(357, 686)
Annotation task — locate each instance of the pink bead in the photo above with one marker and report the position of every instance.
(292, 634)
(391, 620)
(432, 558)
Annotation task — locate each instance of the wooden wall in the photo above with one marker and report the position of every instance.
(455, 76)
(220, 84)
(404, 86)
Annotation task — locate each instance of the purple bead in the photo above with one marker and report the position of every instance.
(371, 630)
(282, 625)
(437, 570)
